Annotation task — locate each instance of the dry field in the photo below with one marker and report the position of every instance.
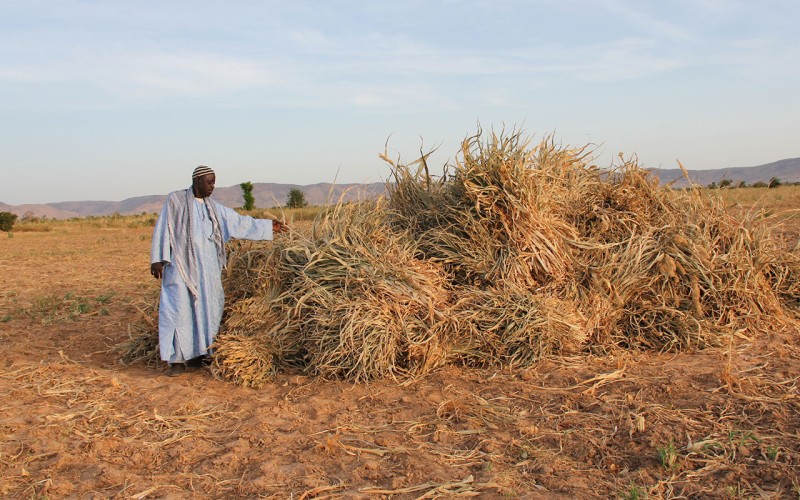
(75, 423)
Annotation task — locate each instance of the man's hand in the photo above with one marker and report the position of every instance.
(157, 270)
(278, 226)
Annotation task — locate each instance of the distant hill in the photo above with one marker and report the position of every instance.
(271, 195)
(266, 194)
(787, 171)
(42, 210)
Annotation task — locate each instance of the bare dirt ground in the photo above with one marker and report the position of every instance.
(75, 423)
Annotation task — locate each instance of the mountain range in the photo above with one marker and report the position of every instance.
(266, 195)
(273, 195)
(787, 171)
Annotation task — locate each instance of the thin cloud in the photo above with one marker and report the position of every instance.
(643, 22)
(310, 40)
(195, 74)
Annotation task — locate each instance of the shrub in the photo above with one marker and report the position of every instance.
(7, 220)
(296, 198)
(247, 193)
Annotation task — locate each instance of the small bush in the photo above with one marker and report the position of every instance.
(296, 198)
(7, 220)
(247, 193)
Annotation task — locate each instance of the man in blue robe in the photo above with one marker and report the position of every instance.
(188, 255)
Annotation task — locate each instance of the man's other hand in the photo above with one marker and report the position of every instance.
(157, 270)
(278, 226)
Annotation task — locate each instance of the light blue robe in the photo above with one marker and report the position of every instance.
(187, 325)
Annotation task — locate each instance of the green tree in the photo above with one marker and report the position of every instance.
(296, 198)
(7, 220)
(774, 182)
(724, 183)
(247, 193)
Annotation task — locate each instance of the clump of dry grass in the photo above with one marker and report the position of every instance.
(783, 274)
(672, 269)
(494, 219)
(351, 301)
(513, 326)
(142, 343)
(369, 306)
(250, 271)
(246, 360)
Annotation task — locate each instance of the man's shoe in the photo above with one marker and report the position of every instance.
(176, 369)
(197, 362)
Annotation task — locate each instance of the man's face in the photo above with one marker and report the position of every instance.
(204, 185)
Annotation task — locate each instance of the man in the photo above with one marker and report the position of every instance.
(188, 254)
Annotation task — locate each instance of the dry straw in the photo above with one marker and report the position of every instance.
(516, 251)
(512, 326)
(142, 343)
(352, 300)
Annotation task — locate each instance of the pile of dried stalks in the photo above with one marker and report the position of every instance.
(351, 300)
(513, 253)
(646, 265)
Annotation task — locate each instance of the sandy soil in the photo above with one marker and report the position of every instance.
(75, 423)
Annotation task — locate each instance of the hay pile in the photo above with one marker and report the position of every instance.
(645, 265)
(351, 300)
(515, 252)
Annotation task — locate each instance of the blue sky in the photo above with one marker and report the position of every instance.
(105, 100)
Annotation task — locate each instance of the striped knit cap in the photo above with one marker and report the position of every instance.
(201, 171)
